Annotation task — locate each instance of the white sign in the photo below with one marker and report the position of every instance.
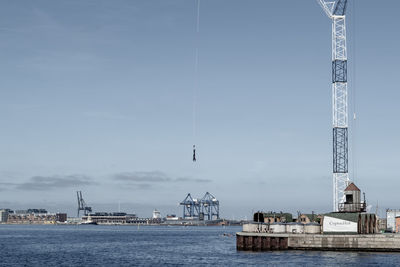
(338, 225)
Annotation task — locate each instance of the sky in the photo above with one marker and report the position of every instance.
(97, 96)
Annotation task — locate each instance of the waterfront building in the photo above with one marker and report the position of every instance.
(36, 218)
(391, 219)
(114, 218)
(397, 220)
(31, 211)
(349, 223)
(309, 218)
(3, 216)
(272, 217)
(382, 224)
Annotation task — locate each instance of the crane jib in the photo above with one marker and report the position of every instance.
(340, 8)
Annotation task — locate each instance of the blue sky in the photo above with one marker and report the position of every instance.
(97, 96)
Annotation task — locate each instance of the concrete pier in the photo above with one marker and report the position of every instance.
(267, 241)
(261, 242)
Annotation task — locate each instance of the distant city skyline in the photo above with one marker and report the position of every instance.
(97, 96)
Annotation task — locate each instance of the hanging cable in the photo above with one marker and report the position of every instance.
(196, 70)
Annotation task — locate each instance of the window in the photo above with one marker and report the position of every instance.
(349, 199)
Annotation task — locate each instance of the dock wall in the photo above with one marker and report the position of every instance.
(266, 242)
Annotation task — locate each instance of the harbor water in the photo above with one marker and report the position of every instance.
(91, 245)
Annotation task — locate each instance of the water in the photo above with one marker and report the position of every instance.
(90, 245)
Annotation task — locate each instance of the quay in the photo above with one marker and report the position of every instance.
(350, 229)
(328, 242)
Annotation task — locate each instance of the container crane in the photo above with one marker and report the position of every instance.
(82, 204)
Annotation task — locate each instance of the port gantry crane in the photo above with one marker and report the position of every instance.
(206, 208)
(210, 207)
(336, 11)
(191, 207)
(82, 204)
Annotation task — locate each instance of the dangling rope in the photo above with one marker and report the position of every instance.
(196, 69)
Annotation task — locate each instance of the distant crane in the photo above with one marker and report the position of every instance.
(191, 207)
(336, 11)
(206, 208)
(210, 207)
(82, 204)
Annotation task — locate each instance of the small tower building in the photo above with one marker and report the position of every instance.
(352, 201)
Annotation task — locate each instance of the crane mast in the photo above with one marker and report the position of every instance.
(336, 11)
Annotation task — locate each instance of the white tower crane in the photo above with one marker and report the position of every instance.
(336, 11)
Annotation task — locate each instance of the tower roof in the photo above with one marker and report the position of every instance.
(352, 187)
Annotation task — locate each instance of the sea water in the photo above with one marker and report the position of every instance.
(91, 245)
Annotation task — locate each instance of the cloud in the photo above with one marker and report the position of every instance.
(151, 178)
(4, 186)
(193, 180)
(131, 186)
(7, 184)
(52, 182)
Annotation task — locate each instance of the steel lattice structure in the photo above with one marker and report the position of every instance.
(206, 208)
(82, 204)
(209, 207)
(191, 207)
(336, 11)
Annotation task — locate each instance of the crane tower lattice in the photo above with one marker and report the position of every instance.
(336, 11)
